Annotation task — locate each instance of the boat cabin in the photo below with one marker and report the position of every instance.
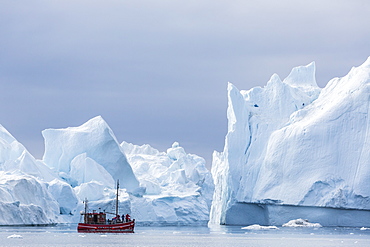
(95, 218)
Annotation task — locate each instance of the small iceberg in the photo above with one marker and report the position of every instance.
(301, 223)
(258, 227)
(15, 236)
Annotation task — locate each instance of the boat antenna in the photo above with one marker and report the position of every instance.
(117, 198)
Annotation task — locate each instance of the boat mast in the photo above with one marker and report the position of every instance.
(117, 198)
(85, 202)
(85, 214)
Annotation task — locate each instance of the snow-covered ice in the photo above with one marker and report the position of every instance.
(292, 143)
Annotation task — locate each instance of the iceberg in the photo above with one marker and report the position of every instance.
(25, 198)
(258, 227)
(295, 150)
(156, 188)
(301, 223)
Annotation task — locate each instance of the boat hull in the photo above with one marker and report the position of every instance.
(127, 227)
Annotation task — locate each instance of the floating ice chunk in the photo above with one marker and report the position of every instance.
(15, 236)
(258, 227)
(301, 223)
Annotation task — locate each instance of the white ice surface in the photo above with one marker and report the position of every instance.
(292, 143)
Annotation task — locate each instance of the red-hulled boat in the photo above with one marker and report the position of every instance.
(97, 222)
(127, 227)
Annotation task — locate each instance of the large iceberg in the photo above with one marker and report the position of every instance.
(295, 150)
(85, 162)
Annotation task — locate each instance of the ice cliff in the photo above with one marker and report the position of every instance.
(292, 143)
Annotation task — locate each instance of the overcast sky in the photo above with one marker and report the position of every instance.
(157, 71)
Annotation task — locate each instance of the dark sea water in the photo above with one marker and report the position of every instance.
(66, 235)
